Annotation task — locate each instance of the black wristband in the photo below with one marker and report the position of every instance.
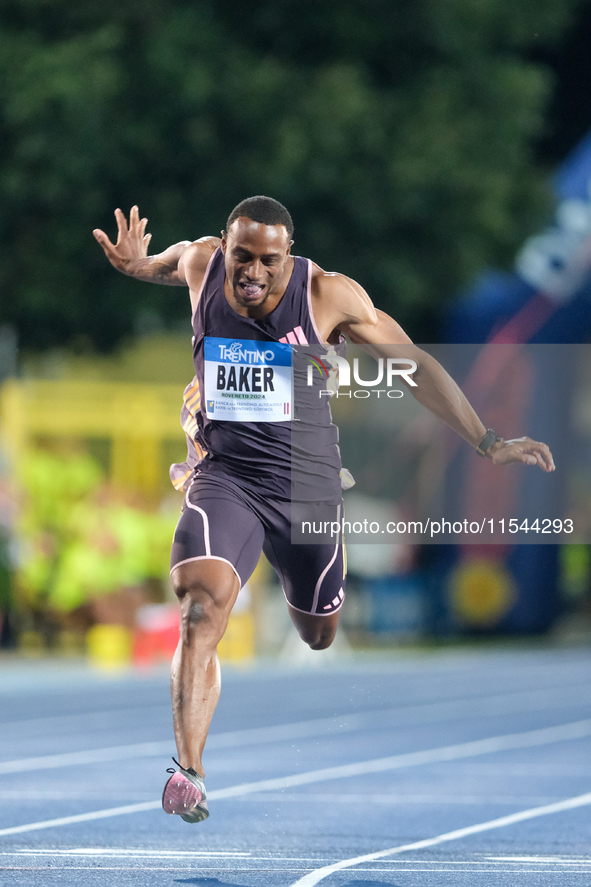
(487, 441)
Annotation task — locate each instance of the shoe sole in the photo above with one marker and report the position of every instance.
(184, 799)
(197, 814)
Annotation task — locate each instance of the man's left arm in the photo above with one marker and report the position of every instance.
(382, 336)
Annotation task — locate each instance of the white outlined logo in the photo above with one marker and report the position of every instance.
(236, 353)
(338, 368)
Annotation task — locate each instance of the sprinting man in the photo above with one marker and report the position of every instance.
(247, 287)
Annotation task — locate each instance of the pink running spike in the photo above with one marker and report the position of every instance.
(180, 795)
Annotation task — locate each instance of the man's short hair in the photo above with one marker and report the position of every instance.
(261, 209)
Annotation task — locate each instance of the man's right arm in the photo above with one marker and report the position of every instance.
(181, 264)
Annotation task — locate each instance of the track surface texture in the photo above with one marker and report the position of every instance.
(469, 768)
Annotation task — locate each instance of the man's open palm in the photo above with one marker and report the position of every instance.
(132, 241)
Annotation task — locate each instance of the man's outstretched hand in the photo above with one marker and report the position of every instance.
(132, 241)
(523, 449)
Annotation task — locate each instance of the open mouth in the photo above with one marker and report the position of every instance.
(252, 290)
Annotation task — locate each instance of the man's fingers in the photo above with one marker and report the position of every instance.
(137, 226)
(103, 239)
(543, 456)
(527, 451)
(549, 465)
(134, 220)
(122, 229)
(131, 242)
(541, 460)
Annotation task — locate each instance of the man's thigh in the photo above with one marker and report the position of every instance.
(312, 576)
(217, 524)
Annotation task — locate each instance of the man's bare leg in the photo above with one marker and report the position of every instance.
(316, 631)
(206, 590)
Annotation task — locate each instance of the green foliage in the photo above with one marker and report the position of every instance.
(399, 135)
(80, 539)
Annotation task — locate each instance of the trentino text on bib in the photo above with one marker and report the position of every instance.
(247, 380)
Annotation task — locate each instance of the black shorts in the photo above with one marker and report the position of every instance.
(224, 521)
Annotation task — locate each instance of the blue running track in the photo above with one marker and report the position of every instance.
(469, 768)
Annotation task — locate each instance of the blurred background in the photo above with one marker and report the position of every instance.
(438, 151)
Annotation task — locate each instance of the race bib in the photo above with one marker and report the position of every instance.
(247, 381)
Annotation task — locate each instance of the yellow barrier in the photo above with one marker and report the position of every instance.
(109, 646)
(136, 419)
(238, 643)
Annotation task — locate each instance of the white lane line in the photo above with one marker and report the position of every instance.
(315, 877)
(143, 853)
(129, 853)
(473, 871)
(529, 739)
(396, 799)
(215, 870)
(81, 817)
(407, 715)
(84, 852)
(563, 860)
(395, 865)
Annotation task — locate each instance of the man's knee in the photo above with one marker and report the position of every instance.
(200, 617)
(206, 596)
(322, 639)
(197, 606)
(316, 631)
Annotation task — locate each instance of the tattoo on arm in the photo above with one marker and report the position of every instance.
(161, 268)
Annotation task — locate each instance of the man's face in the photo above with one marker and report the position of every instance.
(255, 259)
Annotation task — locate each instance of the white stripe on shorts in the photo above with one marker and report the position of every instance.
(205, 520)
(327, 567)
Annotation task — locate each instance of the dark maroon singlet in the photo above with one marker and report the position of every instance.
(261, 453)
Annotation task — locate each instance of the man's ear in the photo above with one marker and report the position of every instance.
(224, 243)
